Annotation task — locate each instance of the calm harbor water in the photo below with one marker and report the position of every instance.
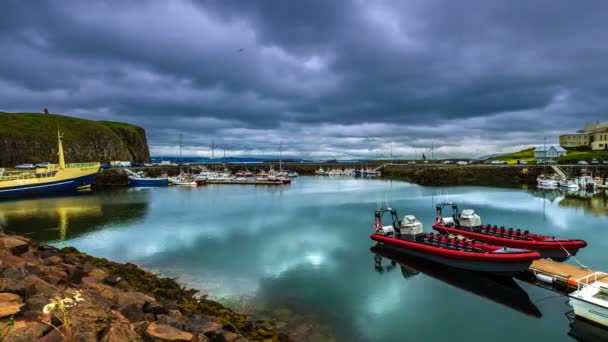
(301, 254)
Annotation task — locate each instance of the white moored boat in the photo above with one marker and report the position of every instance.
(590, 301)
(568, 184)
(546, 181)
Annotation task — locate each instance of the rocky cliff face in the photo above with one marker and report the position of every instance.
(32, 138)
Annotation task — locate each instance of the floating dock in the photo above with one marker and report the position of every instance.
(561, 275)
(244, 182)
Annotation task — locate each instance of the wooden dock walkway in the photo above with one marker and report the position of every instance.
(244, 182)
(562, 274)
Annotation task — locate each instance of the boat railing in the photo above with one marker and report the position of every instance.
(591, 279)
(81, 165)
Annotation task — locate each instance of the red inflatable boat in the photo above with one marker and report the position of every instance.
(469, 225)
(407, 237)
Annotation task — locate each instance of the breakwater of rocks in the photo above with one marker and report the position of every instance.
(116, 302)
(423, 174)
(487, 175)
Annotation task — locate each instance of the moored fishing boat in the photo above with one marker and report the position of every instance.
(546, 181)
(590, 300)
(469, 224)
(568, 184)
(139, 179)
(52, 178)
(407, 236)
(321, 172)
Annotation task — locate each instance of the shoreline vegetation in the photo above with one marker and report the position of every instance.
(120, 302)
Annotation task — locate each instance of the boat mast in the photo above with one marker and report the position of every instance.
(545, 148)
(280, 156)
(180, 148)
(60, 152)
(212, 148)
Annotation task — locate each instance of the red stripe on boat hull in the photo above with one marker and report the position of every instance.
(507, 264)
(547, 249)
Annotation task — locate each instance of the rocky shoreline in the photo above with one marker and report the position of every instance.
(120, 302)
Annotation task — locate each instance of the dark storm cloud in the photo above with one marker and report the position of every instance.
(324, 77)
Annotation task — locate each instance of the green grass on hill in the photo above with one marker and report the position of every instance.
(28, 136)
(573, 156)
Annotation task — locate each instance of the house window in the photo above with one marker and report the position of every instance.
(601, 145)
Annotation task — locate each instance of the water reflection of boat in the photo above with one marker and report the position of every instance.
(54, 218)
(501, 290)
(584, 330)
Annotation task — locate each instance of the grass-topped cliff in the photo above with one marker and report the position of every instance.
(572, 157)
(32, 138)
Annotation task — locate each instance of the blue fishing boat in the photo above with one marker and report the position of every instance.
(140, 179)
(49, 177)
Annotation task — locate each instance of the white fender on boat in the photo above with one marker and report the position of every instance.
(544, 278)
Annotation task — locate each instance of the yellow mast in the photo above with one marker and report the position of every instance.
(60, 153)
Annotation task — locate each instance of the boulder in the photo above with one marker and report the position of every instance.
(10, 304)
(25, 331)
(37, 302)
(196, 323)
(9, 260)
(10, 309)
(139, 327)
(112, 280)
(225, 336)
(35, 285)
(105, 291)
(15, 244)
(160, 333)
(119, 332)
(231, 328)
(76, 274)
(7, 297)
(132, 311)
(155, 308)
(98, 274)
(200, 338)
(168, 320)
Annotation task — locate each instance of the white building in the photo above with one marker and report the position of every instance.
(544, 152)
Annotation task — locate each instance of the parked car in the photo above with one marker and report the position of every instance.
(25, 167)
(547, 162)
(461, 162)
(105, 166)
(138, 164)
(522, 162)
(498, 162)
(582, 162)
(594, 161)
(604, 161)
(447, 162)
(411, 162)
(43, 165)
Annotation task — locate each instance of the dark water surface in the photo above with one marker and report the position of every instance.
(301, 254)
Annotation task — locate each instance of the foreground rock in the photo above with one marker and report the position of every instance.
(121, 301)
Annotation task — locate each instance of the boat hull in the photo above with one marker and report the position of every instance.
(589, 311)
(62, 185)
(148, 182)
(554, 249)
(497, 264)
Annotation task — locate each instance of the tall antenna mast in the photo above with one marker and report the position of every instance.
(212, 149)
(391, 151)
(180, 148)
(432, 147)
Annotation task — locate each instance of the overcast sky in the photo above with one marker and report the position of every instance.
(327, 78)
